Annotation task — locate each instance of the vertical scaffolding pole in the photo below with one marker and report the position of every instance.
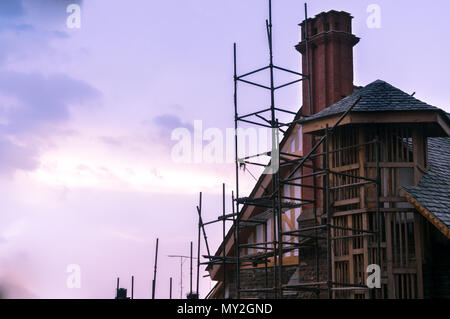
(154, 273)
(308, 66)
(378, 214)
(190, 275)
(181, 277)
(117, 287)
(236, 244)
(224, 264)
(199, 211)
(236, 221)
(132, 287)
(328, 212)
(198, 257)
(276, 201)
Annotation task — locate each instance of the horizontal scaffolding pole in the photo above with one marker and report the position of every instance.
(287, 84)
(254, 113)
(255, 84)
(302, 185)
(353, 176)
(350, 185)
(290, 71)
(252, 72)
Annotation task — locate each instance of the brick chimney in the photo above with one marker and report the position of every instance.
(331, 59)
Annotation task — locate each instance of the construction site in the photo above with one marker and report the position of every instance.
(357, 182)
(215, 158)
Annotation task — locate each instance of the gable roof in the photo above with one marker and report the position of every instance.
(432, 195)
(376, 96)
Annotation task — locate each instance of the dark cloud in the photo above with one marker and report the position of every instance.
(40, 99)
(54, 10)
(34, 24)
(31, 107)
(170, 122)
(165, 124)
(11, 8)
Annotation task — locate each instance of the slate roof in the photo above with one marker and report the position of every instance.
(376, 96)
(433, 191)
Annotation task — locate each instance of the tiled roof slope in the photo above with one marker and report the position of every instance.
(433, 191)
(376, 96)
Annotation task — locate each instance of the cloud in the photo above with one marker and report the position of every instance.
(40, 99)
(33, 106)
(13, 156)
(112, 141)
(170, 122)
(11, 8)
(27, 27)
(166, 123)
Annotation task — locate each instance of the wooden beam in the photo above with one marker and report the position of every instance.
(443, 124)
(409, 117)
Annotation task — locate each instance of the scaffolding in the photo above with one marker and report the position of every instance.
(311, 171)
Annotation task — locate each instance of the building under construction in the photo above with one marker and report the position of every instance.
(361, 176)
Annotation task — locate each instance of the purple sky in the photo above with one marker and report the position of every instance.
(86, 175)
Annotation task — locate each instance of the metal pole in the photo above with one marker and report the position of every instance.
(280, 228)
(117, 287)
(223, 242)
(236, 245)
(154, 273)
(198, 256)
(199, 211)
(308, 67)
(132, 287)
(182, 258)
(181, 277)
(191, 271)
(378, 214)
(170, 289)
(236, 223)
(327, 205)
(275, 185)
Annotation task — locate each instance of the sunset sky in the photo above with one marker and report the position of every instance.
(86, 117)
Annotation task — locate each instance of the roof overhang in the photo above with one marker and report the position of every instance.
(436, 122)
(428, 215)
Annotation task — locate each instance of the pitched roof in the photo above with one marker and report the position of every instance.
(433, 190)
(376, 96)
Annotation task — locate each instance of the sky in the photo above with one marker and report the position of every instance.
(87, 175)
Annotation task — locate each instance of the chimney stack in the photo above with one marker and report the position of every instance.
(330, 49)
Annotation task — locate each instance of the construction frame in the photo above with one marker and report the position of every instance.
(311, 171)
